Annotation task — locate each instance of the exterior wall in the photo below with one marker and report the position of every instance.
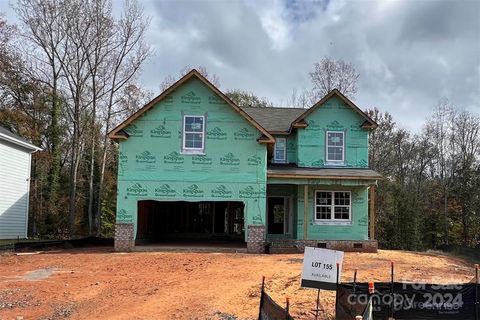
(292, 148)
(296, 246)
(334, 115)
(14, 190)
(356, 230)
(152, 167)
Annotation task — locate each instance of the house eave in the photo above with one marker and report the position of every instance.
(334, 177)
(20, 143)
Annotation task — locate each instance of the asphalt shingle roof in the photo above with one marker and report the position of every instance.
(10, 134)
(274, 119)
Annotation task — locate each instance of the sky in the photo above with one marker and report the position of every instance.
(409, 54)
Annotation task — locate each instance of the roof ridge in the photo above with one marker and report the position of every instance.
(287, 108)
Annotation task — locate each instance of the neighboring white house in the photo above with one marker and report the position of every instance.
(15, 158)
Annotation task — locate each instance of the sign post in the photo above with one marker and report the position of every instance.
(321, 270)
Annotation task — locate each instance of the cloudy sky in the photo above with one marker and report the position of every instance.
(409, 53)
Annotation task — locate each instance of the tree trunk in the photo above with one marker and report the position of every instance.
(54, 137)
(445, 214)
(90, 186)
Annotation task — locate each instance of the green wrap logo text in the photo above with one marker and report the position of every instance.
(173, 157)
(229, 160)
(136, 190)
(193, 191)
(160, 132)
(165, 191)
(145, 157)
(191, 98)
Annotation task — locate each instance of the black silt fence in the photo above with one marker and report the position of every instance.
(269, 309)
(409, 301)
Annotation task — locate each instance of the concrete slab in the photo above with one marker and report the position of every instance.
(192, 247)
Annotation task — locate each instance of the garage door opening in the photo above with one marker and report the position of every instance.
(182, 221)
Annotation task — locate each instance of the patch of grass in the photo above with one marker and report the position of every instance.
(469, 254)
(224, 316)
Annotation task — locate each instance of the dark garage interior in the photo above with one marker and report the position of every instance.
(182, 221)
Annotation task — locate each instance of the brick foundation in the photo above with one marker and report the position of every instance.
(256, 239)
(124, 237)
(295, 246)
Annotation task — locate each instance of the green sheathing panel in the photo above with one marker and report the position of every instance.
(152, 166)
(292, 148)
(334, 115)
(357, 230)
(285, 190)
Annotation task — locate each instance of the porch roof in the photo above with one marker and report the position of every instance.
(294, 172)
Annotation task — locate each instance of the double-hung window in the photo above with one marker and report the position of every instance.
(335, 147)
(193, 134)
(280, 150)
(333, 206)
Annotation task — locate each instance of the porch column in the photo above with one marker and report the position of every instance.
(305, 212)
(372, 212)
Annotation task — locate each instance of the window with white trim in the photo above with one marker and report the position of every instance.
(193, 134)
(280, 150)
(333, 206)
(335, 147)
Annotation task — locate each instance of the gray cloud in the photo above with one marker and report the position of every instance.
(409, 53)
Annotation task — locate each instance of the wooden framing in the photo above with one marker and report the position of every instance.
(297, 176)
(118, 133)
(305, 212)
(372, 212)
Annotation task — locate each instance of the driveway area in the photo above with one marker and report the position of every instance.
(100, 284)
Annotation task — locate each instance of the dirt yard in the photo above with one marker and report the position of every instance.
(99, 284)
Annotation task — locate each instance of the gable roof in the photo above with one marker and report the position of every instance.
(11, 137)
(119, 133)
(369, 123)
(274, 120)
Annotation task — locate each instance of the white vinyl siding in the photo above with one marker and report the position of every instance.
(14, 190)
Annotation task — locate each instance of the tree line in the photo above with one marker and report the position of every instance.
(69, 73)
(431, 192)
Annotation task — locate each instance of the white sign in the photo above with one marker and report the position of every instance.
(320, 268)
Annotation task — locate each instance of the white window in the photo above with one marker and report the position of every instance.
(335, 147)
(280, 150)
(333, 206)
(193, 134)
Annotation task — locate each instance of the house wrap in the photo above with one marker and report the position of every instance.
(194, 166)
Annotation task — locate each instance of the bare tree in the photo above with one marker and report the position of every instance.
(102, 30)
(300, 99)
(441, 125)
(169, 79)
(247, 99)
(127, 54)
(42, 20)
(329, 74)
(92, 57)
(465, 164)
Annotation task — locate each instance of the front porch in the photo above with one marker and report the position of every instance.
(334, 211)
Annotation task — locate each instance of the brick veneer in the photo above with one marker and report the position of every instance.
(124, 237)
(256, 239)
(291, 246)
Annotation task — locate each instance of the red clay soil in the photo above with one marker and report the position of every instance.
(98, 284)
